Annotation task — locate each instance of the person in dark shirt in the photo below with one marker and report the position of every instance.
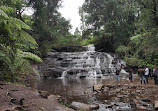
(118, 73)
(150, 73)
(141, 73)
(131, 75)
(155, 73)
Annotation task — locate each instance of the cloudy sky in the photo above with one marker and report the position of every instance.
(70, 11)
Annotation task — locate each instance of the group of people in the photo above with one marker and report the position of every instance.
(143, 72)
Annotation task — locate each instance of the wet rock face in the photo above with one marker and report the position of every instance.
(86, 63)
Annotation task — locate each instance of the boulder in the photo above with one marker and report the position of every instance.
(52, 98)
(136, 101)
(110, 86)
(106, 101)
(106, 89)
(98, 87)
(133, 103)
(120, 96)
(146, 100)
(80, 106)
(94, 107)
(156, 104)
(16, 101)
(117, 90)
(142, 108)
(138, 91)
(43, 94)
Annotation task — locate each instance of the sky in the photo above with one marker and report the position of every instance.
(28, 11)
(70, 11)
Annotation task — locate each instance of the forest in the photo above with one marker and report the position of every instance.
(128, 28)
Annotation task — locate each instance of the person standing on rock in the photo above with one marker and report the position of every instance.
(155, 73)
(118, 73)
(131, 75)
(150, 73)
(141, 73)
(146, 74)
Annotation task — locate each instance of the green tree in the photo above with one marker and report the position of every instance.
(49, 26)
(111, 20)
(145, 40)
(77, 32)
(13, 38)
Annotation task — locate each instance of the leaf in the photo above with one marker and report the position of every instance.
(3, 15)
(7, 9)
(29, 55)
(27, 37)
(20, 24)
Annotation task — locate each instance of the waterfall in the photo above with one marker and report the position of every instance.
(91, 48)
(85, 64)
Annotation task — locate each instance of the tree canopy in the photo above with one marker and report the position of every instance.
(126, 27)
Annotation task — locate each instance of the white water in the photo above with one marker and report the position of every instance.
(87, 64)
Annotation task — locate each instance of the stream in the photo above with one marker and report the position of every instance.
(73, 74)
(76, 90)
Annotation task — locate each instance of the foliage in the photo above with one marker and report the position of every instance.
(28, 55)
(129, 27)
(112, 17)
(123, 50)
(133, 61)
(13, 39)
(68, 40)
(12, 65)
(49, 27)
(89, 40)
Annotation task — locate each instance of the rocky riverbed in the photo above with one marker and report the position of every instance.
(126, 96)
(123, 97)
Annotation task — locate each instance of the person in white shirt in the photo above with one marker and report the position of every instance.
(146, 74)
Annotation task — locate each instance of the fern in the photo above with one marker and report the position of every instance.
(7, 9)
(27, 37)
(13, 62)
(19, 24)
(3, 15)
(15, 26)
(29, 55)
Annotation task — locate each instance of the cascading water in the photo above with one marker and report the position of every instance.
(87, 64)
